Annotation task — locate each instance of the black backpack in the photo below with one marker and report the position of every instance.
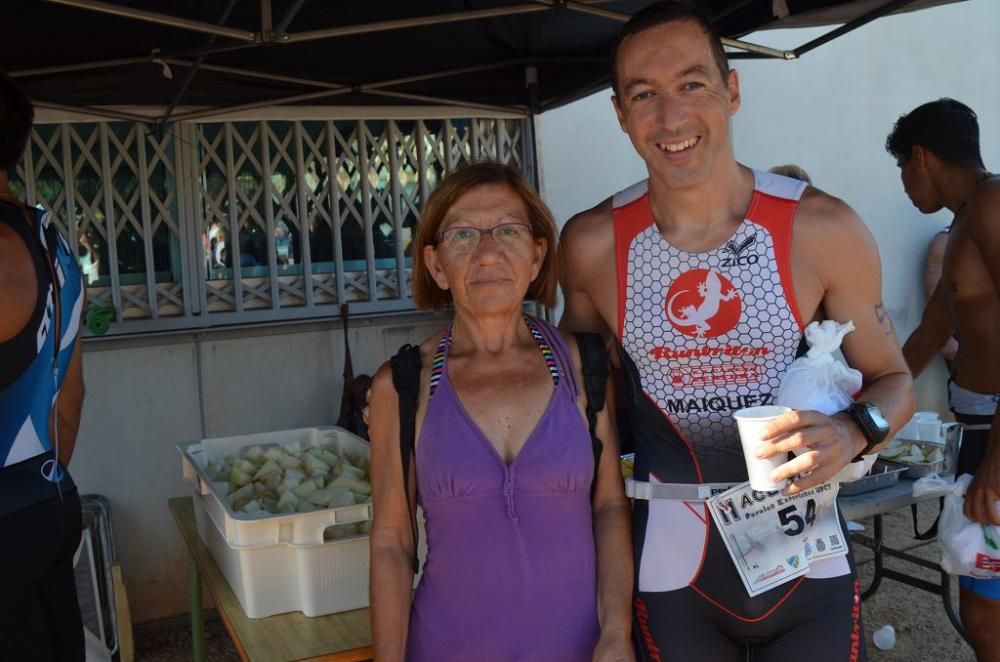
(406, 379)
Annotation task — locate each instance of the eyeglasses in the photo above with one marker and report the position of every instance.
(464, 239)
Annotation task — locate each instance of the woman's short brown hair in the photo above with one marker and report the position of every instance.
(426, 293)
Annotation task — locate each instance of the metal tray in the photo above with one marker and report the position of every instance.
(950, 445)
(884, 473)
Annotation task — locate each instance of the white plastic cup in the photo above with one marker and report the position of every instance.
(751, 423)
(929, 430)
(884, 638)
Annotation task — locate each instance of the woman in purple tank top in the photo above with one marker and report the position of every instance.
(521, 563)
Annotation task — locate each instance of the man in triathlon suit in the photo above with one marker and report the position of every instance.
(937, 149)
(41, 393)
(706, 275)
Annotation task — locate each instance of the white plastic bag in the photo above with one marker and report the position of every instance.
(967, 547)
(820, 382)
(932, 485)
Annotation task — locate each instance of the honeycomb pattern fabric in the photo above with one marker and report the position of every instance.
(703, 334)
(708, 335)
(712, 332)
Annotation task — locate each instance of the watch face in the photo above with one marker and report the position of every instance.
(874, 423)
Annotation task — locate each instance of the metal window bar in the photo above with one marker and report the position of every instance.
(366, 207)
(265, 176)
(333, 193)
(109, 220)
(235, 250)
(355, 174)
(147, 230)
(303, 214)
(396, 204)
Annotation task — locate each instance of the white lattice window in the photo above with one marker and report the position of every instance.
(217, 223)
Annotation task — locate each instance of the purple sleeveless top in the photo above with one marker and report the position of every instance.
(511, 568)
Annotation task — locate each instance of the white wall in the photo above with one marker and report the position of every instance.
(829, 112)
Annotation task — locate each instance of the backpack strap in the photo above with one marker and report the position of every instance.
(594, 362)
(406, 379)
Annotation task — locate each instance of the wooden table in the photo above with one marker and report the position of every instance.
(875, 504)
(344, 637)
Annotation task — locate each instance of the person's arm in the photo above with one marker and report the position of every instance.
(579, 251)
(852, 290)
(933, 267)
(983, 496)
(391, 540)
(614, 549)
(65, 417)
(936, 327)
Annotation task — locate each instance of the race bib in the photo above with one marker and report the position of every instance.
(772, 538)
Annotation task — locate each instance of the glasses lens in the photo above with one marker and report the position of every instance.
(460, 239)
(512, 233)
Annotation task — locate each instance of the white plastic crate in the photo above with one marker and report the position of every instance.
(280, 563)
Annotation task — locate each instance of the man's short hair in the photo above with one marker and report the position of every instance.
(16, 116)
(662, 13)
(945, 127)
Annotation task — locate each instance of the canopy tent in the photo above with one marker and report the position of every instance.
(192, 59)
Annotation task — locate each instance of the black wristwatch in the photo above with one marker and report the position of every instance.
(873, 425)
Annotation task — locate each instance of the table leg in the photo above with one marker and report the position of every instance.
(197, 612)
(949, 608)
(876, 547)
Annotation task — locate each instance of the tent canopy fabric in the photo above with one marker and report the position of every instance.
(515, 55)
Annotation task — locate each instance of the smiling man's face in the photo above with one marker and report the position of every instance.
(675, 103)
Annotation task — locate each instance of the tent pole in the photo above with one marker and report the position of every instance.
(289, 16)
(162, 19)
(90, 110)
(208, 112)
(266, 23)
(382, 26)
(83, 66)
(441, 101)
(850, 26)
(442, 74)
(250, 73)
(194, 67)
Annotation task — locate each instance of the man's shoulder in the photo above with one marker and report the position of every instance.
(590, 230)
(826, 215)
(983, 209)
(985, 198)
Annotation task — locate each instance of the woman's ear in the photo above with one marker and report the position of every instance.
(434, 268)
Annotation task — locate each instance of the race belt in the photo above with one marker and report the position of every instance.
(645, 491)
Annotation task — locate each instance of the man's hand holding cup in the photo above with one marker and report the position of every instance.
(823, 446)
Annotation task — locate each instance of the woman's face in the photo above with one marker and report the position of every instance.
(486, 272)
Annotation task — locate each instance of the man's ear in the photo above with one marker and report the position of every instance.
(618, 112)
(918, 156)
(733, 84)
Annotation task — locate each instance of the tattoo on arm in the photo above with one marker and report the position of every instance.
(884, 320)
